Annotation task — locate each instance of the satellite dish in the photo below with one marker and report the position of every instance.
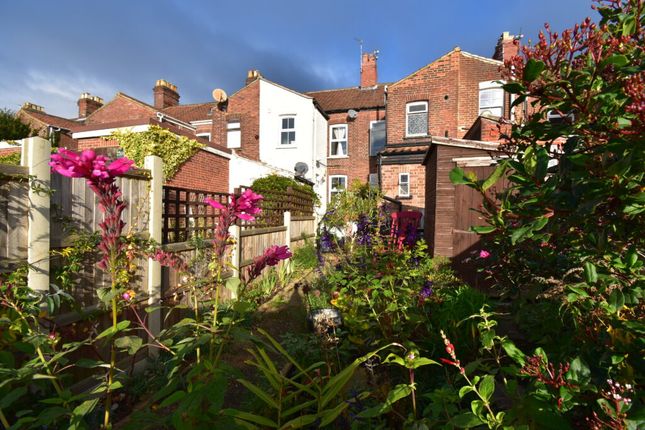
(301, 168)
(219, 95)
(352, 114)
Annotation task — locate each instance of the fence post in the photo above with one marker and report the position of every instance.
(236, 255)
(287, 234)
(36, 153)
(155, 165)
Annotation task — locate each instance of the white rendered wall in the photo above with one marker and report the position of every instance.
(243, 171)
(311, 132)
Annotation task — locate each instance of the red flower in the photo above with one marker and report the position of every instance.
(272, 256)
(88, 165)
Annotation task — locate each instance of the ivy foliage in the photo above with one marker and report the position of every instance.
(273, 183)
(173, 149)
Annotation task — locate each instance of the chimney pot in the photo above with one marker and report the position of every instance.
(33, 106)
(252, 75)
(506, 47)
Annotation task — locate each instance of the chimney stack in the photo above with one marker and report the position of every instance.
(369, 76)
(507, 47)
(165, 94)
(87, 104)
(33, 106)
(252, 75)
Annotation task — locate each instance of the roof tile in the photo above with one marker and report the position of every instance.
(350, 98)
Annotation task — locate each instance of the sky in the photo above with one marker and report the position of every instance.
(52, 51)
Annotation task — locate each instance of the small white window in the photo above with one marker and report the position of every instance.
(233, 135)
(416, 119)
(288, 131)
(491, 98)
(337, 184)
(206, 136)
(555, 117)
(404, 185)
(338, 140)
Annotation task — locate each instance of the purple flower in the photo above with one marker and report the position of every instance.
(484, 254)
(426, 292)
(88, 165)
(363, 235)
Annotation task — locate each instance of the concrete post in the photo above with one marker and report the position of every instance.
(287, 234)
(36, 153)
(155, 165)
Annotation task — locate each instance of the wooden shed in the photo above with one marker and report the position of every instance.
(449, 208)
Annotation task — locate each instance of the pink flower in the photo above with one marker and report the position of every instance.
(88, 165)
(484, 254)
(272, 256)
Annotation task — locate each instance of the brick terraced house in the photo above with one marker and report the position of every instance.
(356, 128)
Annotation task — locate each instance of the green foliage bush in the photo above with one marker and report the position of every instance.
(173, 149)
(11, 128)
(12, 159)
(273, 182)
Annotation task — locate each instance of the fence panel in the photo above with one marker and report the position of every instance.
(14, 199)
(302, 228)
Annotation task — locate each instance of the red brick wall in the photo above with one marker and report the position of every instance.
(203, 171)
(120, 109)
(95, 142)
(473, 71)
(390, 184)
(450, 85)
(358, 164)
(245, 107)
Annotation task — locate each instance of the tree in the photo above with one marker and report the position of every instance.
(11, 128)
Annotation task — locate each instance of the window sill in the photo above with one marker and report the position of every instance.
(404, 197)
(338, 156)
(292, 146)
(416, 136)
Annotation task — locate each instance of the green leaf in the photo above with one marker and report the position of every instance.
(495, 176)
(466, 420)
(12, 396)
(514, 88)
(617, 60)
(263, 395)
(422, 361)
(458, 177)
(483, 229)
(591, 276)
(173, 398)
(487, 387)
(131, 343)
(465, 390)
(301, 421)
(616, 300)
(532, 70)
(83, 409)
(257, 419)
(579, 371)
(111, 331)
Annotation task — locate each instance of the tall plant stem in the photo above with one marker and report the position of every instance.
(196, 310)
(3, 420)
(108, 392)
(218, 282)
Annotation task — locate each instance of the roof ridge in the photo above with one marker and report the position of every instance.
(373, 87)
(191, 104)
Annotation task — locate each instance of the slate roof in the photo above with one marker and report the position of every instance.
(53, 120)
(192, 112)
(344, 99)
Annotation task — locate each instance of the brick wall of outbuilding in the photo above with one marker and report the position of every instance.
(203, 171)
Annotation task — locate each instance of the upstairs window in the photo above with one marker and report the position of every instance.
(404, 185)
(288, 131)
(206, 136)
(555, 117)
(233, 135)
(377, 137)
(338, 140)
(337, 184)
(416, 119)
(491, 99)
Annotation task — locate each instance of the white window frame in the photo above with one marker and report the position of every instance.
(232, 127)
(488, 86)
(287, 130)
(407, 117)
(554, 116)
(332, 141)
(206, 135)
(332, 191)
(406, 193)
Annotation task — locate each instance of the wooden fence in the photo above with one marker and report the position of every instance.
(14, 187)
